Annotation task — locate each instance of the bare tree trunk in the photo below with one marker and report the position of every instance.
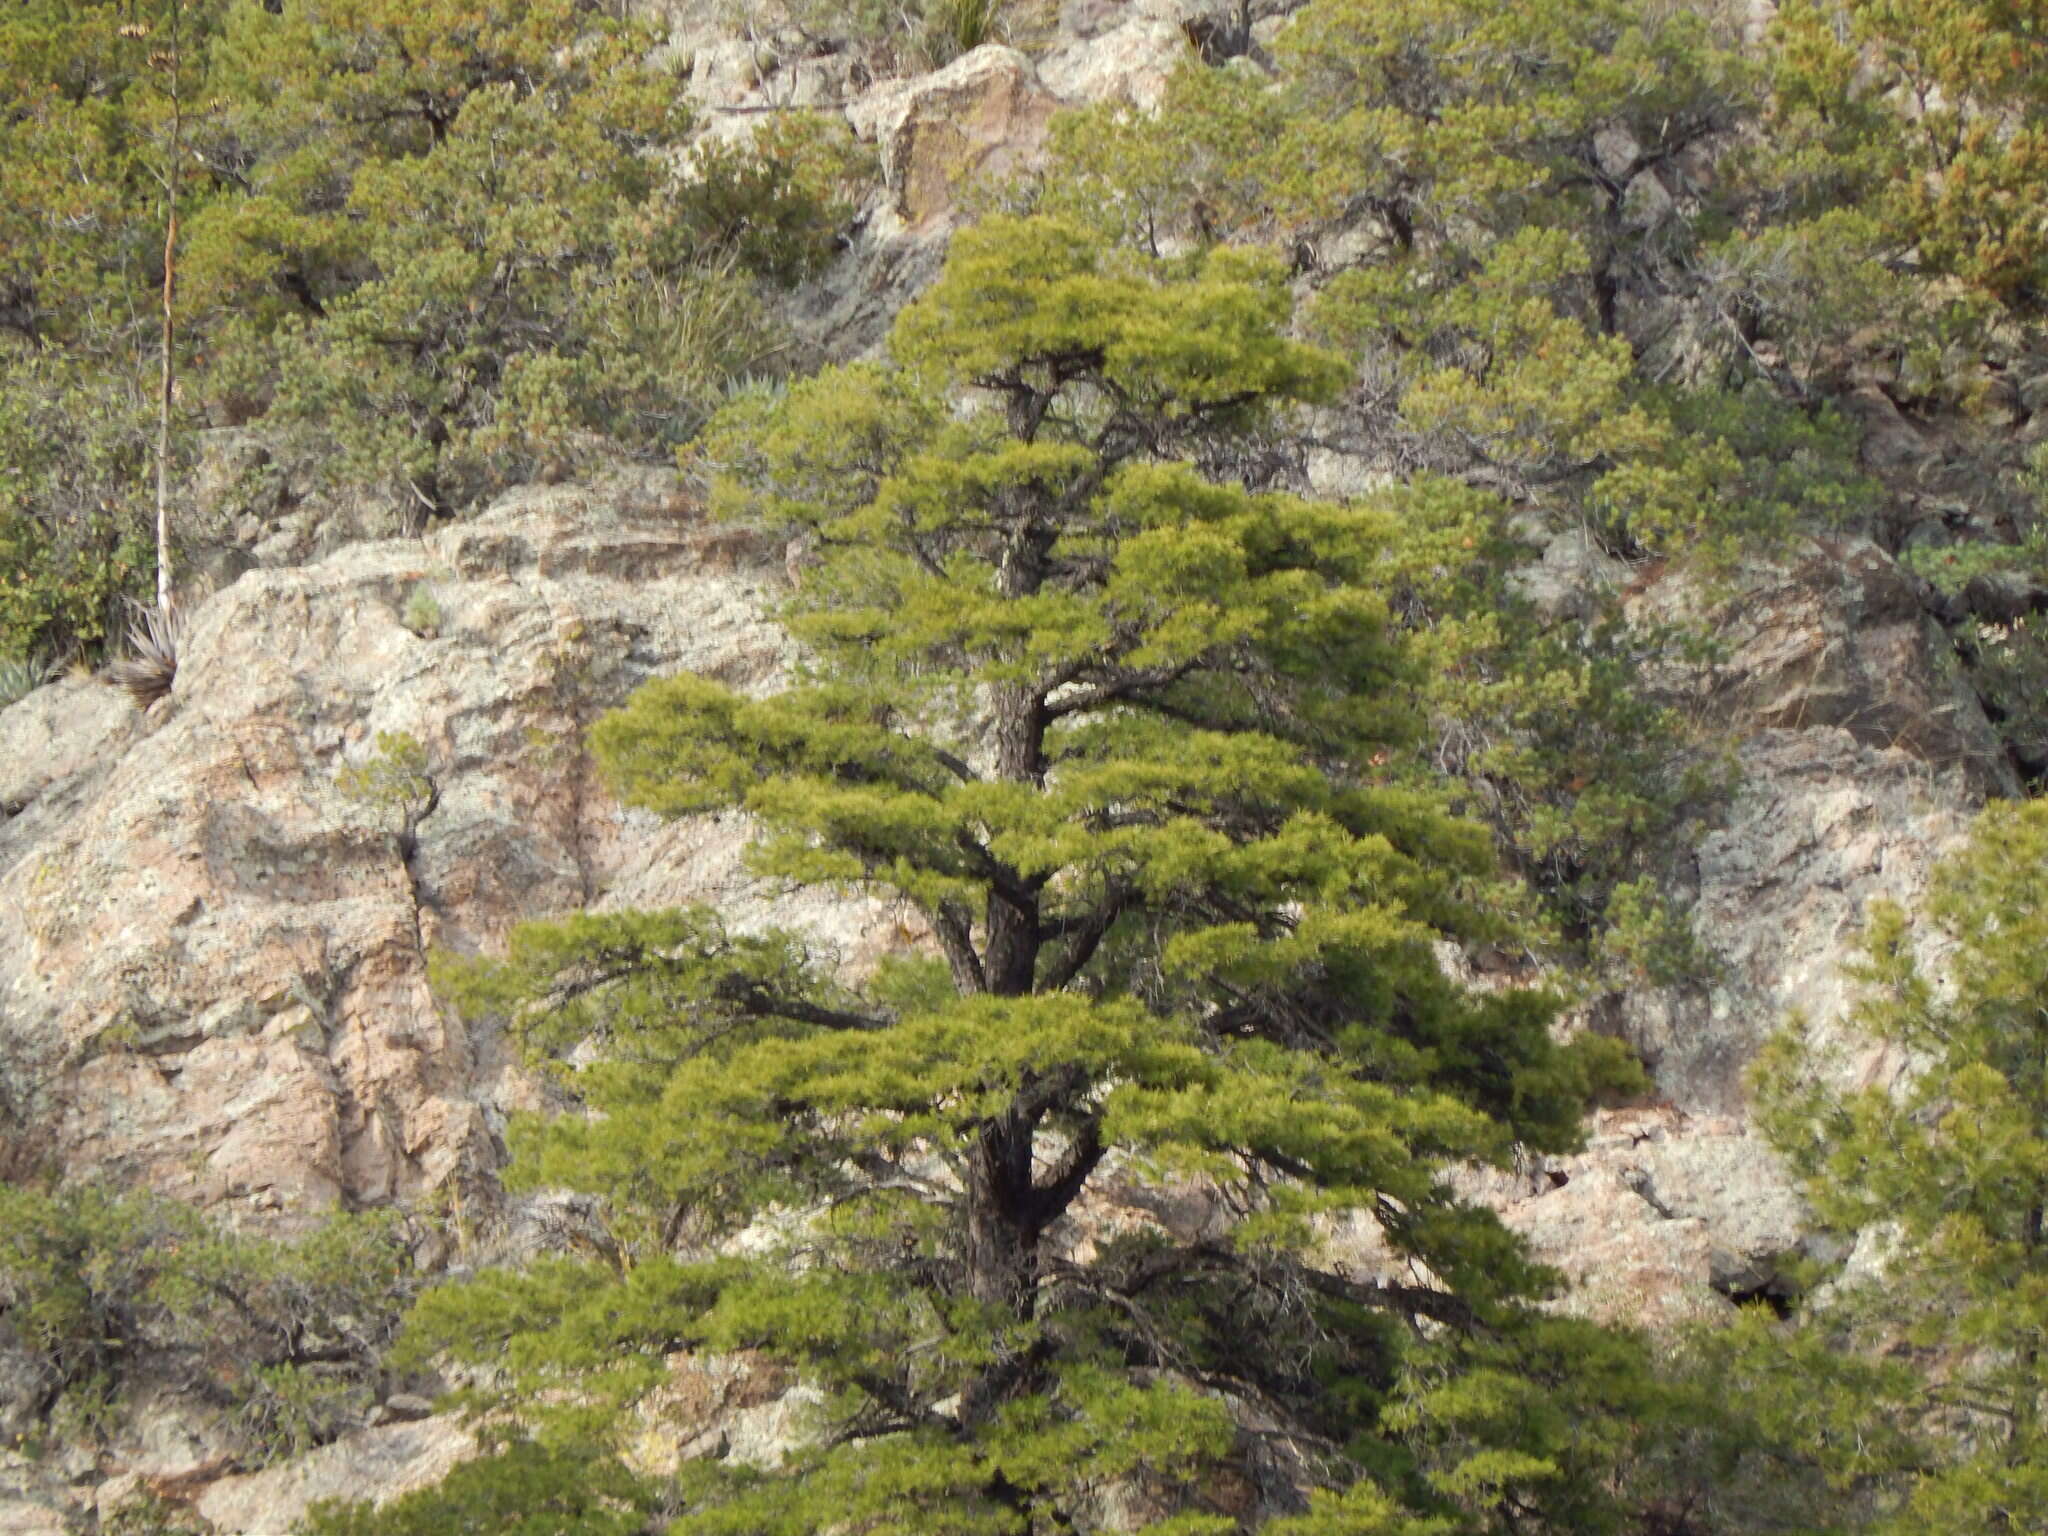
(163, 419)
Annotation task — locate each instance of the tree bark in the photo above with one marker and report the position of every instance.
(1002, 1242)
(1014, 933)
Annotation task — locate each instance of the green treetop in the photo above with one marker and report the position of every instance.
(1937, 1414)
(1516, 217)
(1106, 726)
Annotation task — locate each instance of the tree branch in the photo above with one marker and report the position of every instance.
(1086, 936)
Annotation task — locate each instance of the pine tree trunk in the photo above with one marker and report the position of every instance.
(1002, 1258)
(1010, 963)
(1002, 1228)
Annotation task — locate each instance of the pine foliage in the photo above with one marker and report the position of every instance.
(1934, 1410)
(1105, 726)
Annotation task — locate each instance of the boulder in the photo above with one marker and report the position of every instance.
(737, 1407)
(1830, 633)
(981, 118)
(379, 1464)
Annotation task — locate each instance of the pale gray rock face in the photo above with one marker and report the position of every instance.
(1821, 825)
(213, 975)
(35, 1499)
(379, 1464)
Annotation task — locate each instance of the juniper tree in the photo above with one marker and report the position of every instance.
(1106, 730)
(1936, 112)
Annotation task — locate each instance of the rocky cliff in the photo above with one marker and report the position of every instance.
(214, 977)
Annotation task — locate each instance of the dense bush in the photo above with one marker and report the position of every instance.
(102, 1292)
(444, 246)
(77, 440)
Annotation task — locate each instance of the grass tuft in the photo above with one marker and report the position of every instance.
(954, 27)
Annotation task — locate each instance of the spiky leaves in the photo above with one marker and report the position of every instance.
(146, 673)
(1106, 727)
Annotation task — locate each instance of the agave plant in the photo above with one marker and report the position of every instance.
(154, 636)
(22, 675)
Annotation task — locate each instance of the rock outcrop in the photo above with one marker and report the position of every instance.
(214, 978)
(981, 118)
(383, 1463)
(1829, 634)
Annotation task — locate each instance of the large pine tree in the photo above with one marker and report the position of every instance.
(1117, 731)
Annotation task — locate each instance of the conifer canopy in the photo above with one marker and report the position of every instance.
(1099, 727)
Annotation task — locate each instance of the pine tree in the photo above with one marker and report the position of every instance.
(1106, 728)
(1920, 1379)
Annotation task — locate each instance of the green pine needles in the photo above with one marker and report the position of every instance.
(1107, 726)
(1917, 1380)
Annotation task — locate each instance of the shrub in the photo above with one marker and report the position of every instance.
(775, 203)
(422, 614)
(98, 1290)
(76, 507)
(395, 784)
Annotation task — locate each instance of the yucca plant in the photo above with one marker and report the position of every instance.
(155, 635)
(422, 612)
(21, 676)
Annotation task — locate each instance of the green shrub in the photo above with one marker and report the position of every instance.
(774, 203)
(99, 1290)
(435, 248)
(422, 613)
(76, 499)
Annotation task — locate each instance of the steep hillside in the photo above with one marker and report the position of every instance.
(221, 911)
